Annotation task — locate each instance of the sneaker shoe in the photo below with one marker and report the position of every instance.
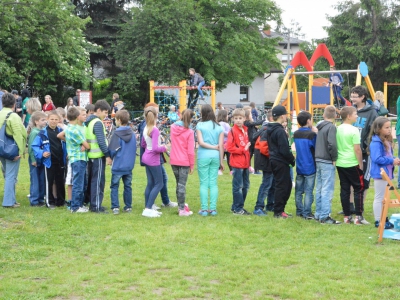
(115, 211)
(150, 213)
(257, 173)
(309, 217)
(220, 172)
(293, 184)
(184, 213)
(158, 212)
(155, 207)
(347, 219)
(231, 173)
(188, 209)
(170, 204)
(330, 221)
(359, 220)
(282, 215)
(51, 206)
(259, 212)
(341, 213)
(28, 195)
(241, 212)
(79, 210)
(251, 170)
(128, 210)
(213, 212)
(203, 213)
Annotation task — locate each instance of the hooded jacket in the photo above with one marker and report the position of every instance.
(98, 130)
(251, 129)
(305, 139)
(326, 145)
(122, 150)
(278, 144)
(235, 145)
(379, 158)
(366, 116)
(41, 144)
(261, 162)
(182, 146)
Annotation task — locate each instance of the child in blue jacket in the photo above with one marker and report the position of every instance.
(51, 152)
(122, 151)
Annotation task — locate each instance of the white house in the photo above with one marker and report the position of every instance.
(264, 88)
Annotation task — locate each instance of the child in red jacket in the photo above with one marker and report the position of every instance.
(238, 146)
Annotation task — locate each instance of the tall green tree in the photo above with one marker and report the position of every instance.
(220, 39)
(367, 30)
(42, 45)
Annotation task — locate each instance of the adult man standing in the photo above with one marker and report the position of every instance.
(76, 98)
(18, 103)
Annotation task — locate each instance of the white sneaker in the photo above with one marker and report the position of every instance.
(293, 184)
(80, 210)
(159, 212)
(150, 213)
(155, 207)
(85, 207)
(220, 172)
(170, 204)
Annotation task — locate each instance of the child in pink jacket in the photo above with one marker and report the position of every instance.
(182, 157)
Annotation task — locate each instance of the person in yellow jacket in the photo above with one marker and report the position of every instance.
(98, 155)
(16, 129)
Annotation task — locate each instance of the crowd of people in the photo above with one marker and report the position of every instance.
(76, 155)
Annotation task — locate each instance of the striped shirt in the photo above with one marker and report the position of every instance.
(75, 136)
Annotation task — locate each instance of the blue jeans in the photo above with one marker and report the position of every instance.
(37, 189)
(398, 141)
(240, 186)
(164, 191)
(11, 169)
(325, 178)
(154, 184)
(304, 185)
(79, 183)
(127, 180)
(201, 83)
(267, 188)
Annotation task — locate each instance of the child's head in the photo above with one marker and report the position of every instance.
(381, 127)
(247, 115)
(238, 116)
(187, 116)
(333, 68)
(150, 116)
(192, 71)
(219, 105)
(73, 114)
(207, 113)
(358, 95)
(122, 117)
(329, 112)
(379, 96)
(70, 102)
(33, 105)
(279, 114)
(172, 108)
(89, 109)
(101, 109)
(62, 114)
(304, 119)
(222, 116)
(252, 105)
(269, 116)
(39, 119)
(348, 114)
(82, 115)
(52, 119)
(247, 107)
(152, 104)
(115, 96)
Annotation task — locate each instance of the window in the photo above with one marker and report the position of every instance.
(285, 57)
(244, 93)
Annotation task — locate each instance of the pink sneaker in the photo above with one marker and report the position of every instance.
(231, 172)
(188, 209)
(251, 170)
(184, 213)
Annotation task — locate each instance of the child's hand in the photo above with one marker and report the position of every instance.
(83, 149)
(396, 161)
(191, 171)
(247, 146)
(34, 164)
(109, 161)
(46, 154)
(221, 166)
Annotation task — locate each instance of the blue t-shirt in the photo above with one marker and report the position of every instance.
(210, 133)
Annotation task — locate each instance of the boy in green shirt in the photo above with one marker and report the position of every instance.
(350, 165)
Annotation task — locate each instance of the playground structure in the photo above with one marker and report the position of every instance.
(318, 95)
(178, 95)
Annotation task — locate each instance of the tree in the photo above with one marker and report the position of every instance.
(220, 39)
(367, 31)
(42, 45)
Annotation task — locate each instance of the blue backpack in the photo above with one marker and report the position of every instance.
(8, 147)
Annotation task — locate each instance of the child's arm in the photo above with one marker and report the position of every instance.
(358, 152)
(221, 151)
(203, 144)
(61, 136)
(86, 145)
(191, 154)
(377, 156)
(154, 142)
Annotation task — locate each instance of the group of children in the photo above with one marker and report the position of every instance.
(357, 149)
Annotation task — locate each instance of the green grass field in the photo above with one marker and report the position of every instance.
(53, 254)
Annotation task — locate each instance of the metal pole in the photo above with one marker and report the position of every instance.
(324, 72)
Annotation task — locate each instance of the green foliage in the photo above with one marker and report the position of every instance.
(220, 39)
(101, 89)
(367, 31)
(42, 45)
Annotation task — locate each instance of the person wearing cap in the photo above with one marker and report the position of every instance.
(18, 102)
(281, 158)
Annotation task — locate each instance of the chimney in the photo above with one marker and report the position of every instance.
(267, 32)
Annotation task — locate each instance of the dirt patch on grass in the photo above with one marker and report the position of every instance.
(158, 270)
(10, 224)
(159, 291)
(131, 288)
(38, 278)
(68, 298)
(189, 278)
(215, 281)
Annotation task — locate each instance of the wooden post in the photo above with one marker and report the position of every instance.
(213, 94)
(182, 95)
(385, 93)
(310, 85)
(151, 82)
(289, 90)
(283, 86)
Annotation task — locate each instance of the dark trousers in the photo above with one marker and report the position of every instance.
(96, 181)
(181, 174)
(55, 174)
(154, 184)
(283, 185)
(351, 177)
(267, 188)
(228, 157)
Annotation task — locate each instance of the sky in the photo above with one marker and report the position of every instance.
(310, 14)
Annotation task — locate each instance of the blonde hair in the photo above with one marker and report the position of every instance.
(36, 117)
(61, 112)
(33, 105)
(379, 96)
(239, 112)
(150, 115)
(330, 112)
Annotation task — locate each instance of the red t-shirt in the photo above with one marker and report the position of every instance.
(48, 107)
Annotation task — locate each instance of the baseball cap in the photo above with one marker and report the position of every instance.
(239, 105)
(278, 110)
